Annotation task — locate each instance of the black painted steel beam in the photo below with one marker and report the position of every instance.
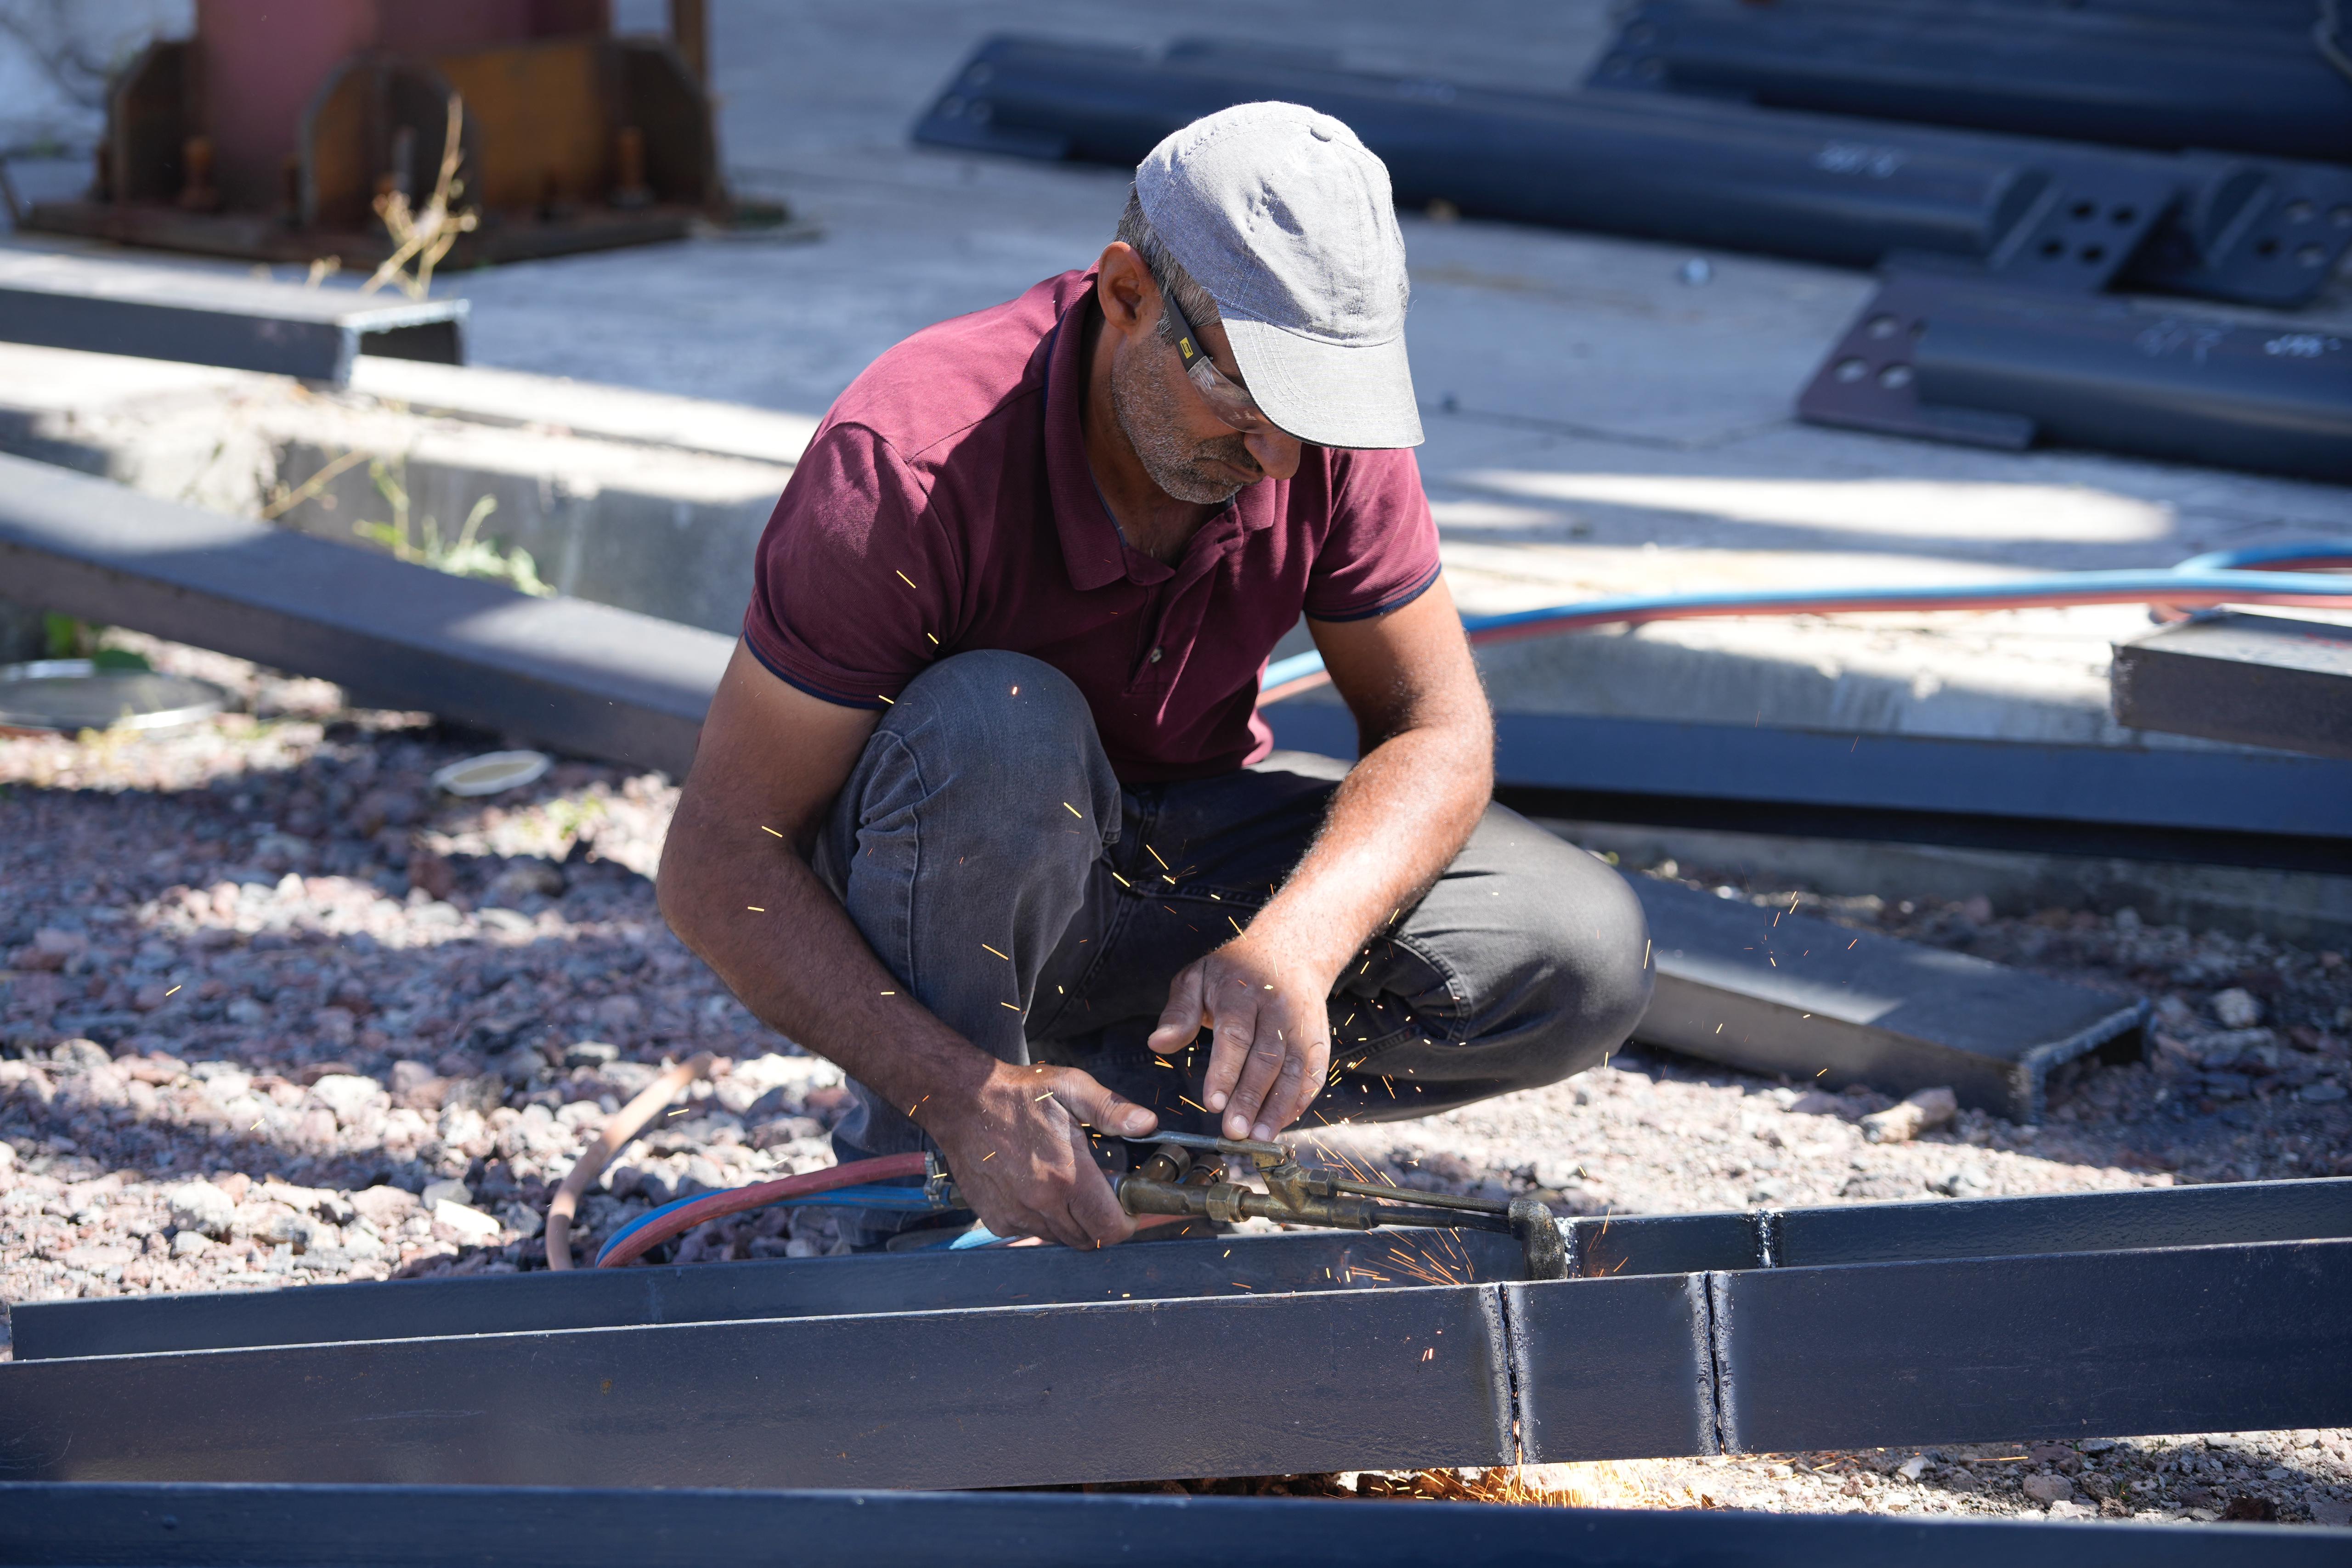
(2255, 680)
(1930, 779)
(583, 677)
(145, 1526)
(2184, 1339)
(2212, 1339)
(2239, 78)
(1770, 991)
(2134, 1221)
(998, 1396)
(1812, 186)
(1949, 358)
(1302, 1260)
(769, 1288)
(207, 317)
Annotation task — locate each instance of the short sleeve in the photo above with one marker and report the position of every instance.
(851, 573)
(1382, 550)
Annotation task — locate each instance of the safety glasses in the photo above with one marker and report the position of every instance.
(1231, 405)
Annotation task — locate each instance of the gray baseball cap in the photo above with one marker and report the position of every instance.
(1285, 218)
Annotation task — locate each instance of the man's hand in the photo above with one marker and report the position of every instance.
(1019, 1154)
(1264, 996)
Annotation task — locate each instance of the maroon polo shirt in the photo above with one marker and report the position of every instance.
(946, 504)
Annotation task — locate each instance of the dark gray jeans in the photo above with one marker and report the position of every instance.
(993, 861)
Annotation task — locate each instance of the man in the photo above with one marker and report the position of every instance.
(983, 810)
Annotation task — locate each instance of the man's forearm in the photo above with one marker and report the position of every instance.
(789, 951)
(1397, 822)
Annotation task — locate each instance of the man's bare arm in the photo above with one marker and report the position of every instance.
(1399, 819)
(736, 886)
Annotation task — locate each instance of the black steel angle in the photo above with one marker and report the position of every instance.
(2136, 1220)
(1723, 174)
(1006, 1396)
(1822, 187)
(1923, 788)
(1772, 991)
(771, 1288)
(1953, 358)
(142, 1526)
(2216, 79)
(2211, 1339)
(2252, 680)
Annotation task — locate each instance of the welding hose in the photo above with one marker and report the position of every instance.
(622, 1126)
(2261, 574)
(845, 1186)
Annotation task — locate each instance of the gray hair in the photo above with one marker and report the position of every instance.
(1168, 273)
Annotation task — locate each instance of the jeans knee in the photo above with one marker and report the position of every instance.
(1010, 701)
(1599, 973)
(1010, 737)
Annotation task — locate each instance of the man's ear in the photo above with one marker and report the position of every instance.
(1125, 289)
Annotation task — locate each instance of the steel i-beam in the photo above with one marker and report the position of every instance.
(2184, 1339)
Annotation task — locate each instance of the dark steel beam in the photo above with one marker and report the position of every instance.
(1292, 1262)
(2224, 1338)
(2272, 798)
(2211, 1339)
(2137, 1219)
(773, 1288)
(1823, 188)
(583, 677)
(2255, 680)
(1000, 1397)
(141, 1526)
(1951, 357)
(2227, 76)
(208, 318)
(1770, 991)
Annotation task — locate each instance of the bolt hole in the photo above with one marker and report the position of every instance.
(2122, 218)
(2267, 246)
(2085, 209)
(2298, 212)
(2054, 248)
(1884, 327)
(1850, 371)
(1894, 378)
(2092, 255)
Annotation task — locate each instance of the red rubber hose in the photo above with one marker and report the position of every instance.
(719, 1205)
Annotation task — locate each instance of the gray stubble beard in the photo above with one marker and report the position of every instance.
(1148, 414)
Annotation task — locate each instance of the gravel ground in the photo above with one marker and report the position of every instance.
(273, 1012)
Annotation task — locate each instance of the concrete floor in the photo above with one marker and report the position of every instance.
(1595, 424)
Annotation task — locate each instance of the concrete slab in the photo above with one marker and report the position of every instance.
(639, 500)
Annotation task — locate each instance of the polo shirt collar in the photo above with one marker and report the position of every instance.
(1091, 548)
